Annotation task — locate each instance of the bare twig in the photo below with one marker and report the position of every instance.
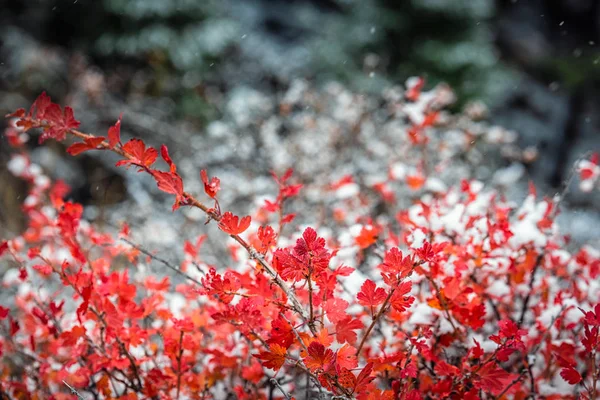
(278, 386)
(162, 261)
(74, 391)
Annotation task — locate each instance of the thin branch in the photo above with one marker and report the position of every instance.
(74, 391)
(278, 386)
(179, 364)
(162, 261)
(374, 321)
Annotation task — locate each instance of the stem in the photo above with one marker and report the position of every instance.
(310, 304)
(374, 321)
(278, 386)
(179, 363)
(442, 302)
(538, 262)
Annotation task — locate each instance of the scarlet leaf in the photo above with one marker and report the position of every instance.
(400, 302)
(114, 133)
(370, 295)
(3, 247)
(318, 358)
(87, 144)
(364, 378)
(286, 219)
(164, 153)
(492, 378)
(43, 269)
(140, 156)
(170, 182)
(232, 224)
(346, 378)
(395, 263)
(59, 122)
(274, 358)
(85, 294)
(281, 333)
(267, 237)
(344, 330)
(570, 375)
(3, 312)
(212, 186)
(336, 309)
(346, 357)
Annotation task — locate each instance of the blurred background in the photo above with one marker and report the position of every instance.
(174, 67)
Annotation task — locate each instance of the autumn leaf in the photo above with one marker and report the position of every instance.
(3, 247)
(140, 156)
(346, 356)
(493, 378)
(571, 376)
(344, 330)
(400, 301)
(43, 269)
(232, 224)
(170, 182)
(281, 333)
(212, 186)
(3, 312)
(90, 143)
(274, 358)
(368, 236)
(85, 294)
(114, 133)
(395, 263)
(335, 309)
(370, 295)
(364, 378)
(318, 358)
(59, 122)
(346, 378)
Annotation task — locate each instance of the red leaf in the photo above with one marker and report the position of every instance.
(3, 312)
(56, 308)
(274, 358)
(370, 295)
(281, 333)
(288, 218)
(399, 301)
(335, 309)
(318, 357)
(232, 224)
(212, 187)
(267, 237)
(344, 330)
(140, 156)
(85, 294)
(346, 357)
(40, 105)
(59, 122)
(570, 375)
(3, 247)
(164, 153)
(170, 182)
(364, 378)
(114, 133)
(395, 263)
(87, 144)
(43, 269)
(492, 378)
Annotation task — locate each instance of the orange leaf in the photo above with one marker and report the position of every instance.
(274, 358)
